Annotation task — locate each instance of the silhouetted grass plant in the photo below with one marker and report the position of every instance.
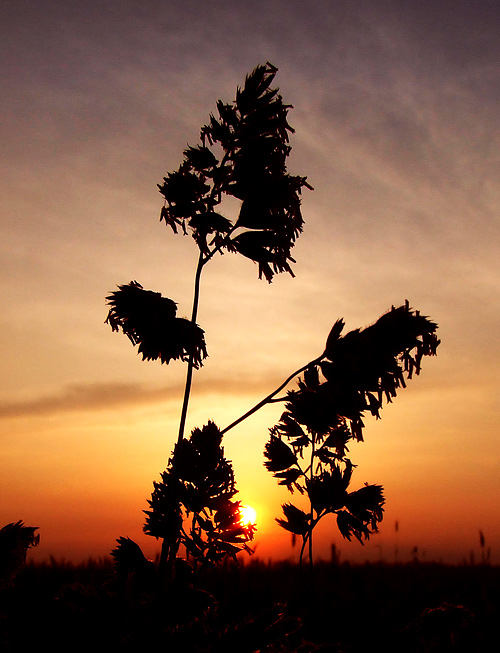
(15, 540)
(242, 154)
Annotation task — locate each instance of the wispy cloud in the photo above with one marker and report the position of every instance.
(107, 396)
(93, 396)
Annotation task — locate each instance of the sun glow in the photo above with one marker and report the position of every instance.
(248, 515)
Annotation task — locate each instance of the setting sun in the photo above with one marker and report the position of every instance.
(248, 515)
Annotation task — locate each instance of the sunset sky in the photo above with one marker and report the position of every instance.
(398, 131)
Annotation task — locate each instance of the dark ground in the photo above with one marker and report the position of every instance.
(259, 607)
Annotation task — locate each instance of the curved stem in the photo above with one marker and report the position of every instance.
(270, 397)
(311, 513)
(189, 375)
(304, 542)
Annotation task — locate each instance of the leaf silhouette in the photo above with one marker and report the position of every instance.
(366, 504)
(148, 319)
(296, 521)
(279, 455)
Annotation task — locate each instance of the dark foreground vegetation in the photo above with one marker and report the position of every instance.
(255, 607)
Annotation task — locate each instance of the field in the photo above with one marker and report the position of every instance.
(257, 607)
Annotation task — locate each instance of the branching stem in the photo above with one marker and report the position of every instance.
(270, 397)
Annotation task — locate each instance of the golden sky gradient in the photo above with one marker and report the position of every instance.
(397, 129)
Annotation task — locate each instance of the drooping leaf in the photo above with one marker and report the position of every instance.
(135, 310)
(349, 526)
(279, 455)
(296, 521)
(367, 504)
(149, 321)
(290, 478)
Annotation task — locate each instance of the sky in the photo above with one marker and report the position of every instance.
(396, 128)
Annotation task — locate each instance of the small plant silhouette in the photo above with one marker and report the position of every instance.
(15, 540)
(242, 154)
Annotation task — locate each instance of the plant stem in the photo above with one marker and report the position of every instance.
(311, 568)
(311, 564)
(270, 397)
(304, 542)
(189, 375)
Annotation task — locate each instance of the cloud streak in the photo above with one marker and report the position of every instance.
(92, 397)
